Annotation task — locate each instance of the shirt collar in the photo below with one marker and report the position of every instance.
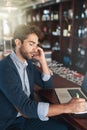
(17, 60)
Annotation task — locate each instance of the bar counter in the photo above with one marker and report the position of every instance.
(49, 95)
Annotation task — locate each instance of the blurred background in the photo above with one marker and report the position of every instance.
(64, 28)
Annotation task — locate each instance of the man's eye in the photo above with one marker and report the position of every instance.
(30, 44)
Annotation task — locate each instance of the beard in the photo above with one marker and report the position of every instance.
(26, 55)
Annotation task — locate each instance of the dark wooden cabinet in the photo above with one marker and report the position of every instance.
(79, 37)
(64, 25)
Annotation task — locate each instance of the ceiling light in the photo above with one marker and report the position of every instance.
(43, 1)
(8, 8)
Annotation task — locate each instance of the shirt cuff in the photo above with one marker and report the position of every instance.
(46, 77)
(43, 111)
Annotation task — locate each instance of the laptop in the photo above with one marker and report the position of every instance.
(65, 94)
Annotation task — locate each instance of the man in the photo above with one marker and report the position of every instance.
(17, 78)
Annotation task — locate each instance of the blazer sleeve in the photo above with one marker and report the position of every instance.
(38, 79)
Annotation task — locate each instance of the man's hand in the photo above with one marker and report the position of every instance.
(39, 55)
(77, 105)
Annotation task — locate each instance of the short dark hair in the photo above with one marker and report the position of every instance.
(22, 31)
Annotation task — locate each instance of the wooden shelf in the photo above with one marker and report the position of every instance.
(61, 23)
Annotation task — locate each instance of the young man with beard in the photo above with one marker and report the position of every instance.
(17, 78)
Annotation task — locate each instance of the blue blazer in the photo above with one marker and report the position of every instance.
(11, 94)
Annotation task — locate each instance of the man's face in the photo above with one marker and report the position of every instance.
(29, 47)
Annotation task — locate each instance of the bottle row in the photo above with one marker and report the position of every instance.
(48, 15)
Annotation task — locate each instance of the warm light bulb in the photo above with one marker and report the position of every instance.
(43, 1)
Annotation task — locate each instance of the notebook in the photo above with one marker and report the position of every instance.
(65, 94)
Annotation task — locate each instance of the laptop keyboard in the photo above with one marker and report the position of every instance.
(73, 93)
(63, 95)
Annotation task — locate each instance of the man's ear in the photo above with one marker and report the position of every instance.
(18, 43)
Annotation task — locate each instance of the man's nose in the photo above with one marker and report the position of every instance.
(35, 48)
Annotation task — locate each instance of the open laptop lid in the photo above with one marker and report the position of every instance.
(84, 84)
